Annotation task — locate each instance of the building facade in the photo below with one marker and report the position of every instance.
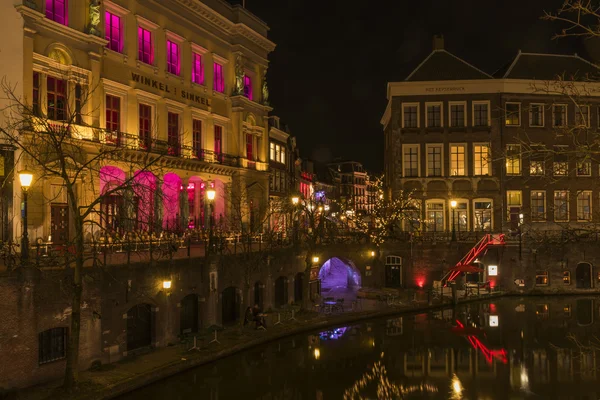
(485, 152)
(282, 150)
(182, 79)
(351, 178)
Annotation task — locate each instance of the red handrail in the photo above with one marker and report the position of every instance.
(481, 246)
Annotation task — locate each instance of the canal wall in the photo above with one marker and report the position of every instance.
(127, 307)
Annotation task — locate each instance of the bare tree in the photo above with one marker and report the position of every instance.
(58, 146)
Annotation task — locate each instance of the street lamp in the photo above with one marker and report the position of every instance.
(453, 205)
(295, 200)
(25, 177)
(520, 236)
(210, 195)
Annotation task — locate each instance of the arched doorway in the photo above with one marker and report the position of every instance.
(139, 327)
(585, 312)
(583, 275)
(259, 295)
(298, 283)
(188, 320)
(281, 291)
(231, 304)
(340, 279)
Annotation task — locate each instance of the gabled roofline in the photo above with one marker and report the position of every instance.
(447, 52)
(520, 53)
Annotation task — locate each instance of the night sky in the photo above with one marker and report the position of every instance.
(328, 74)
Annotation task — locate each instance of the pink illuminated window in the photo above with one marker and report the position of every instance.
(219, 79)
(173, 133)
(145, 126)
(197, 69)
(56, 94)
(56, 10)
(172, 57)
(218, 141)
(249, 147)
(145, 50)
(197, 137)
(112, 32)
(113, 111)
(247, 87)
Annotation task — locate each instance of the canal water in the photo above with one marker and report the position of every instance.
(538, 348)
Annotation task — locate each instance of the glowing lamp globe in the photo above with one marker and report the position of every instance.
(453, 203)
(315, 259)
(210, 194)
(166, 284)
(295, 200)
(25, 177)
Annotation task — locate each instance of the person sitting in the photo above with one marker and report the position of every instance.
(259, 317)
(248, 316)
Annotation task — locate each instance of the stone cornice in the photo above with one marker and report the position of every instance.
(227, 26)
(245, 103)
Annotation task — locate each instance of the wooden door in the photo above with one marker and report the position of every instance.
(139, 327)
(59, 223)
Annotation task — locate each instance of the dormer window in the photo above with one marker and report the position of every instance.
(56, 10)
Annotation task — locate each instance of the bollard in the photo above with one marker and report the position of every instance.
(278, 320)
(215, 340)
(293, 318)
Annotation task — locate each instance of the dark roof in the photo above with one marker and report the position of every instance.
(441, 65)
(548, 67)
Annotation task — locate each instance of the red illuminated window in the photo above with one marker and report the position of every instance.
(112, 32)
(172, 57)
(247, 87)
(219, 79)
(113, 110)
(145, 51)
(197, 69)
(218, 141)
(249, 147)
(173, 133)
(56, 94)
(56, 10)
(197, 137)
(145, 130)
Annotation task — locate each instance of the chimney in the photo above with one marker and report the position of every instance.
(438, 42)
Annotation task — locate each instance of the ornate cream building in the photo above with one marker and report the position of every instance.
(180, 78)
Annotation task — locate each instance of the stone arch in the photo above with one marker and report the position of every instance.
(144, 185)
(139, 326)
(583, 275)
(112, 207)
(462, 185)
(437, 186)
(171, 192)
(338, 272)
(60, 53)
(251, 119)
(487, 185)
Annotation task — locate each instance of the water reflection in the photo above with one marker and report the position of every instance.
(507, 349)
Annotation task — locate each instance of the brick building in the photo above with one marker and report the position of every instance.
(495, 144)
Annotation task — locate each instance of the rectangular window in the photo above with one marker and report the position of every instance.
(434, 160)
(584, 166)
(536, 115)
(173, 133)
(536, 167)
(218, 141)
(145, 128)
(561, 205)
(559, 115)
(457, 160)
(513, 198)
(435, 217)
(541, 279)
(145, 48)
(78, 103)
(481, 114)
(457, 115)
(219, 79)
(173, 63)
(582, 116)
(282, 155)
(483, 216)
(481, 159)
(538, 205)
(197, 138)
(560, 165)
(566, 278)
(434, 115)
(513, 159)
(459, 216)
(57, 11)
(247, 87)
(52, 345)
(584, 206)
(272, 151)
(112, 32)
(56, 94)
(35, 103)
(513, 114)
(410, 116)
(249, 142)
(113, 113)
(197, 69)
(411, 161)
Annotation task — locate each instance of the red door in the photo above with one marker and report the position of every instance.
(59, 223)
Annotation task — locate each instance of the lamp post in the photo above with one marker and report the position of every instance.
(25, 177)
(453, 205)
(520, 237)
(210, 195)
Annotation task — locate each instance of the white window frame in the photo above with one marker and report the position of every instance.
(115, 89)
(506, 114)
(542, 106)
(481, 200)
(460, 201)
(514, 205)
(406, 222)
(544, 215)
(589, 169)
(520, 160)
(489, 164)
(578, 113)
(590, 193)
(565, 121)
(444, 218)
(404, 105)
(487, 102)
(554, 206)
(435, 103)
(466, 161)
(413, 145)
(457, 103)
(434, 145)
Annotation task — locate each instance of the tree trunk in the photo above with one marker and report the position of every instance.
(306, 300)
(72, 368)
